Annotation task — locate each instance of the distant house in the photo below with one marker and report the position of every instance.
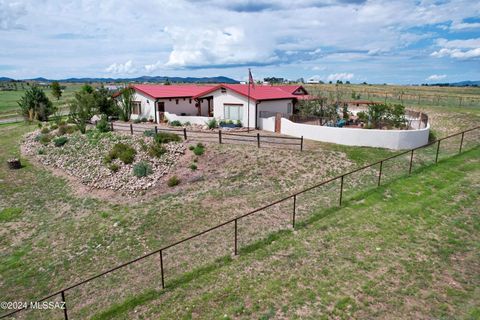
(223, 101)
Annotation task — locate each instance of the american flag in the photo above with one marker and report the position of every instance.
(250, 79)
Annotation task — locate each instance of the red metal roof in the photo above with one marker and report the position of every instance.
(170, 91)
(259, 92)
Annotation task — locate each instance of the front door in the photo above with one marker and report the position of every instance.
(278, 122)
(161, 110)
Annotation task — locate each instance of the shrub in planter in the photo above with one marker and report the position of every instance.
(193, 167)
(175, 123)
(114, 167)
(45, 130)
(122, 151)
(44, 138)
(144, 119)
(239, 124)
(173, 181)
(102, 125)
(212, 123)
(166, 137)
(137, 121)
(60, 141)
(142, 169)
(156, 150)
(186, 124)
(149, 133)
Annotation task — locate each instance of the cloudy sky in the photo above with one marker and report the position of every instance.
(374, 41)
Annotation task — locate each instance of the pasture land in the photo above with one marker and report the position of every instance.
(53, 233)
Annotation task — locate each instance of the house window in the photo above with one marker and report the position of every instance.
(176, 101)
(233, 112)
(190, 101)
(137, 107)
(289, 108)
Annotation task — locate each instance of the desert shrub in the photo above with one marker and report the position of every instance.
(193, 167)
(44, 138)
(212, 123)
(142, 169)
(199, 149)
(114, 167)
(122, 151)
(186, 124)
(41, 151)
(60, 141)
(175, 123)
(195, 160)
(149, 133)
(63, 129)
(156, 150)
(53, 127)
(137, 120)
(191, 148)
(102, 125)
(432, 136)
(144, 119)
(239, 124)
(45, 130)
(166, 137)
(173, 181)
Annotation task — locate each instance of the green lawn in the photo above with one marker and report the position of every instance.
(409, 249)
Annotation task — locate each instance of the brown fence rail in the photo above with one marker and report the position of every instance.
(372, 174)
(211, 136)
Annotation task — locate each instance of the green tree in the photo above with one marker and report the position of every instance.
(126, 103)
(56, 90)
(87, 88)
(35, 105)
(104, 102)
(82, 109)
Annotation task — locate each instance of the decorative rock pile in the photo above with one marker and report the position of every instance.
(83, 157)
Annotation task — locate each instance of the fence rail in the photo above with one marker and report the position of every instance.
(220, 136)
(467, 139)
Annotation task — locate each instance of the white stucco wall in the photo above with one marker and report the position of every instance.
(146, 106)
(183, 119)
(390, 139)
(267, 124)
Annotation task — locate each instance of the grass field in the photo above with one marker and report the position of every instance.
(9, 99)
(53, 233)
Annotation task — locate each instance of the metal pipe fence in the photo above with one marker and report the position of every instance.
(241, 231)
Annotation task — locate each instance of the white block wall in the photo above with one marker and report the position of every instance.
(390, 139)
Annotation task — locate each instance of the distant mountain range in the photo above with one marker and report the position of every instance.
(219, 79)
(467, 83)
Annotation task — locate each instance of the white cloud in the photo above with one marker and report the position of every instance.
(119, 68)
(10, 12)
(466, 43)
(216, 47)
(340, 76)
(436, 77)
(464, 25)
(153, 67)
(458, 49)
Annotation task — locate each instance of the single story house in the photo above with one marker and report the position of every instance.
(223, 101)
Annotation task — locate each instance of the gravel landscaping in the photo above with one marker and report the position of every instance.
(83, 156)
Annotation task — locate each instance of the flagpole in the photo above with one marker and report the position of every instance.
(248, 103)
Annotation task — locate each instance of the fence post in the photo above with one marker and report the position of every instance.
(220, 136)
(301, 144)
(185, 133)
(341, 190)
(131, 128)
(258, 140)
(236, 238)
(161, 269)
(461, 143)
(65, 313)
(294, 210)
(156, 130)
(438, 149)
(380, 173)
(411, 162)
(111, 126)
